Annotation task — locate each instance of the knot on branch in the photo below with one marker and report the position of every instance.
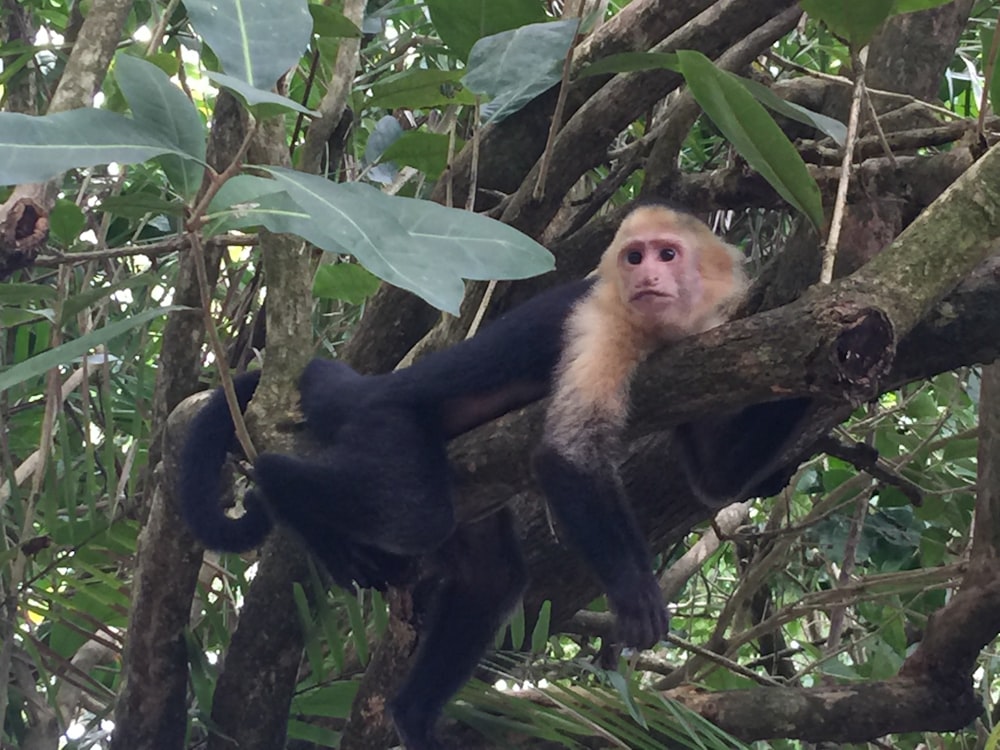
(863, 352)
(25, 229)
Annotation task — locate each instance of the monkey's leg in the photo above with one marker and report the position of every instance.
(385, 483)
(485, 578)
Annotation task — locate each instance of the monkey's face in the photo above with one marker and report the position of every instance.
(658, 277)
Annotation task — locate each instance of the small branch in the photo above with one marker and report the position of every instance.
(219, 351)
(843, 81)
(557, 116)
(722, 661)
(865, 458)
(32, 464)
(838, 614)
(836, 222)
(470, 198)
(727, 520)
(194, 220)
(988, 68)
(152, 250)
(331, 108)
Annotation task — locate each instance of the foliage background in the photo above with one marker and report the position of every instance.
(115, 625)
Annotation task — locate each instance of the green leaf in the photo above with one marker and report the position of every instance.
(137, 204)
(910, 6)
(420, 89)
(460, 23)
(417, 245)
(256, 41)
(314, 735)
(81, 301)
(357, 620)
(540, 633)
(421, 150)
(386, 132)
(67, 221)
(516, 626)
(348, 282)
(42, 363)
(748, 126)
(855, 21)
(264, 103)
(329, 22)
(514, 67)
(833, 128)
(21, 294)
(630, 62)
(332, 701)
(163, 109)
(248, 201)
(986, 40)
(13, 316)
(620, 684)
(34, 149)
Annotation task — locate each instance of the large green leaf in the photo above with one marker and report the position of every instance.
(461, 23)
(986, 40)
(629, 62)
(514, 67)
(163, 109)
(22, 294)
(417, 245)
(911, 6)
(350, 282)
(425, 151)
(833, 128)
(258, 98)
(855, 21)
(34, 149)
(471, 245)
(748, 126)
(420, 89)
(330, 22)
(256, 41)
(42, 363)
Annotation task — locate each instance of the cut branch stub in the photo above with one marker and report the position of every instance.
(831, 345)
(22, 235)
(863, 353)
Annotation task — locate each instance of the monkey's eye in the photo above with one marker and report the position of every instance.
(667, 254)
(634, 257)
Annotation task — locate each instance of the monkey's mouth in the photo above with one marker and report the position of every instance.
(651, 293)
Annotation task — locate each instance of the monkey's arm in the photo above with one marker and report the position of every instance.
(505, 366)
(592, 511)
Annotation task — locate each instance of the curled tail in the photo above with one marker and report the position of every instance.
(209, 437)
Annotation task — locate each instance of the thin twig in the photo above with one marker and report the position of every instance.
(242, 434)
(557, 116)
(483, 305)
(722, 661)
(470, 197)
(218, 180)
(988, 68)
(843, 81)
(836, 222)
(152, 250)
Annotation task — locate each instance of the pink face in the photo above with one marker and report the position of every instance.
(659, 276)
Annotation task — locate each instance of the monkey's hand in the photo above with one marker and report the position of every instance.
(639, 609)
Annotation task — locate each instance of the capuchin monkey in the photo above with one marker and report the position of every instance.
(377, 496)
(664, 276)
